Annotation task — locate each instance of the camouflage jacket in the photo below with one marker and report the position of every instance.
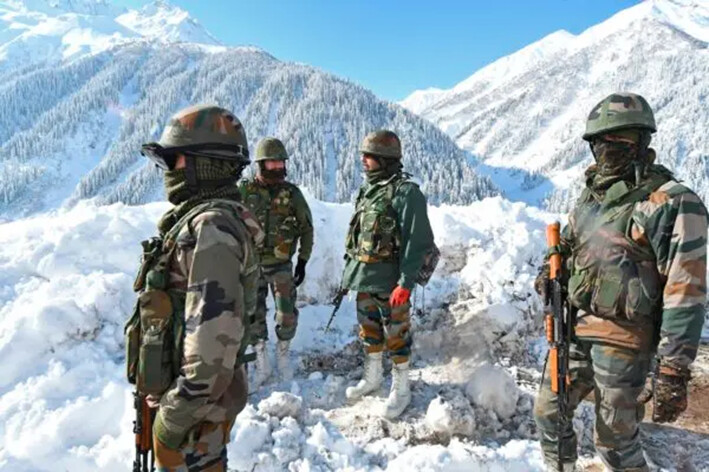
(285, 217)
(215, 266)
(407, 214)
(658, 275)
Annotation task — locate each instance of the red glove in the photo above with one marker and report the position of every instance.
(399, 296)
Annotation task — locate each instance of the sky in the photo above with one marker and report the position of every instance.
(393, 47)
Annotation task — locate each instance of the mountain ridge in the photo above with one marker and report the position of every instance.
(526, 126)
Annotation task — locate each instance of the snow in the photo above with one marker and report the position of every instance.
(280, 405)
(38, 31)
(451, 415)
(66, 291)
(494, 389)
(689, 16)
(523, 115)
(162, 21)
(66, 276)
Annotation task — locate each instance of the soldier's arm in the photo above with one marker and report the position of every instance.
(416, 233)
(677, 231)
(305, 225)
(213, 328)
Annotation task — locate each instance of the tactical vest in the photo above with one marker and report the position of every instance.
(154, 334)
(276, 213)
(613, 276)
(374, 234)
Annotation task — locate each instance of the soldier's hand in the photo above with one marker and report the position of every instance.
(542, 281)
(153, 401)
(670, 396)
(299, 275)
(399, 296)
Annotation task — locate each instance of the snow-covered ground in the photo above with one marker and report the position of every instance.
(65, 292)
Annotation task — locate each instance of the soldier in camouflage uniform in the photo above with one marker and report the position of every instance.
(388, 240)
(285, 217)
(211, 262)
(635, 249)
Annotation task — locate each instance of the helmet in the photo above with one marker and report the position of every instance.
(271, 148)
(619, 111)
(382, 143)
(200, 130)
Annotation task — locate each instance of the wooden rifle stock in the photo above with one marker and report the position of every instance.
(557, 327)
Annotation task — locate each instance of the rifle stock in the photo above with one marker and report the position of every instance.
(143, 430)
(558, 326)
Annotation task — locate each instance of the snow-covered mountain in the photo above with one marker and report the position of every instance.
(37, 32)
(524, 114)
(72, 121)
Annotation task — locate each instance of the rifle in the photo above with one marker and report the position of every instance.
(558, 326)
(337, 301)
(143, 429)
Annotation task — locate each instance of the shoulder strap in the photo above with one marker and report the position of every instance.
(625, 203)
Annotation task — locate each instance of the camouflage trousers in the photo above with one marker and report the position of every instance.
(206, 452)
(280, 279)
(616, 377)
(382, 326)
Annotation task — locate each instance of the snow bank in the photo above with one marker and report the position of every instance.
(65, 292)
(494, 389)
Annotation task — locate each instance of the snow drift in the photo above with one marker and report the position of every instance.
(66, 291)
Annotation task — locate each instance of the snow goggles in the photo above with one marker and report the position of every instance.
(165, 158)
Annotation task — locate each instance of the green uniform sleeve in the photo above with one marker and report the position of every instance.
(416, 232)
(305, 225)
(214, 307)
(676, 227)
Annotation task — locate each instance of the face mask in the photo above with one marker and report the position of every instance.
(176, 186)
(614, 158)
(273, 174)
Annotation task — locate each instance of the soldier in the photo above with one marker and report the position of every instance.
(285, 217)
(388, 241)
(197, 290)
(635, 249)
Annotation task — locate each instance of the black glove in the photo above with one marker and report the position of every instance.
(299, 275)
(669, 397)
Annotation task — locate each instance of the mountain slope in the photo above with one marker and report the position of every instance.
(525, 113)
(39, 32)
(71, 125)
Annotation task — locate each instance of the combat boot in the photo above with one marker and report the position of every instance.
(263, 365)
(400, 394)
(282, 360)
(371, 377)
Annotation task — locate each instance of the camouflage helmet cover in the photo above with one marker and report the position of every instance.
(207, 125)
(271, 149)
(619, 111)
(382, 143)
